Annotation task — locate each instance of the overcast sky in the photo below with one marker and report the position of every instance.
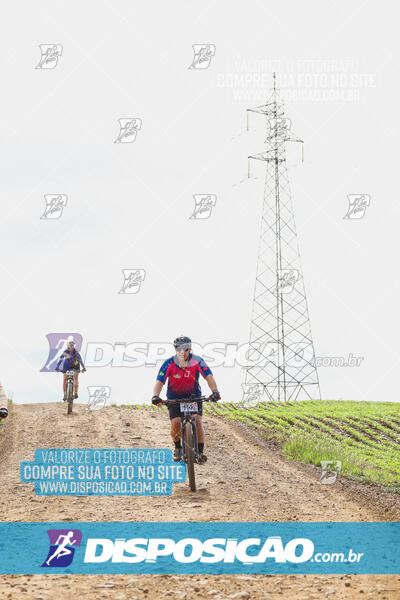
(128, 204)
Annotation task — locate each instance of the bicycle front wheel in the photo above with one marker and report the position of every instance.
(190, 453)
(70, 396)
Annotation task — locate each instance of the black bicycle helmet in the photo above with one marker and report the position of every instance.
(181, 340)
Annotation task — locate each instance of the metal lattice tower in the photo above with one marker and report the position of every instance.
(281, 356)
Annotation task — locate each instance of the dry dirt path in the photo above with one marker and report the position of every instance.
(245, 479)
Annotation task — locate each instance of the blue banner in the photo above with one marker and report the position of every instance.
(103, 472)
(190, 548)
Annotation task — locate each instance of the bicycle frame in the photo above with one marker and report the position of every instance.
(190, 447)
(188, 417)
(70, 389)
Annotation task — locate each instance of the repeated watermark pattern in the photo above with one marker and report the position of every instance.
(358, 204)
(203, 205)
(330, 471)
(133, 279)
(49, 55)
(279, 129)
(58, 342)
(252, 394)
(55, 204)
(99, 396)
(203, 53)
(287, 279)
(128, 129)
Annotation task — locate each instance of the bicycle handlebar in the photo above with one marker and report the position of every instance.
(171, 401)
(68, 370)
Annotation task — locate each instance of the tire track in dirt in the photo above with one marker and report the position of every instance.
(245, 479)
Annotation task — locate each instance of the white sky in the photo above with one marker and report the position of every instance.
(129, 204)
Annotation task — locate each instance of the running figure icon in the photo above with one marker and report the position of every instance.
(62, 549)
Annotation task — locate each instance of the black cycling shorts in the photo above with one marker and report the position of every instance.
(175, 410)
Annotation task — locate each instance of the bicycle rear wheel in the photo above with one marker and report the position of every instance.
(190, 456)
(70, 396)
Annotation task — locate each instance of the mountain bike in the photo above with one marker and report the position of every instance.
(190, 448)
(70, 390)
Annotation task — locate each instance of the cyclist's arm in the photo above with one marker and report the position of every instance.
(211, 383)
(162, 376)
(157, 388)
(79, 357)
(60, 360)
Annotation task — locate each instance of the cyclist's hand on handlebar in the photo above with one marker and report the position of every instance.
(83, 370)
(156, 400)
(215, 396)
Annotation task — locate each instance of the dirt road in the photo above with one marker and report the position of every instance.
(245, 479)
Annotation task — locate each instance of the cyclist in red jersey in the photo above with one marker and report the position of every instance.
(182, 372)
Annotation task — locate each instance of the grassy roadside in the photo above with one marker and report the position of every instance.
(364, 436)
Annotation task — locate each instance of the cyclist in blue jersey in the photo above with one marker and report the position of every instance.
(70, 360)
(182, 372)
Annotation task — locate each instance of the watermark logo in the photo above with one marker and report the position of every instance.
(298, 80)
(62, 547)
(203, 205)
(55, 204)
(279, 128)
(287, 279)
(252, 393)
(50, 53)
(133, 279)
(58, 343)
(128, 129)
(99, 395)
(203, 54)
(330, 471)
(358, 204)
(134, 354)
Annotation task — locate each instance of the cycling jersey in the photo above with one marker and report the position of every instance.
(183, 381)
(70, 361)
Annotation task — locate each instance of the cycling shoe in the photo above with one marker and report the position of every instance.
(202, 458)
(177, 456)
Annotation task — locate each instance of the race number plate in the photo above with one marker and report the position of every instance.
(70, 372)
(189, 407)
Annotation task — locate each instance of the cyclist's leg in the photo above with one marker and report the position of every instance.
(176, 429)
(176, 437)
(200, 437)
(76, 382)
(174, 415)
(65, 383)
(200, 429)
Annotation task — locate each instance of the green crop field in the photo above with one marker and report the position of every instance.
(364, 436)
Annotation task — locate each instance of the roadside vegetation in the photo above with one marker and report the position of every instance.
(364, 436)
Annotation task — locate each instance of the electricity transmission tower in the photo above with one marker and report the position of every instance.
(281, 356)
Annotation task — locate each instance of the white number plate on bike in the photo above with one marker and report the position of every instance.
(70, 372)
(189, 407)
